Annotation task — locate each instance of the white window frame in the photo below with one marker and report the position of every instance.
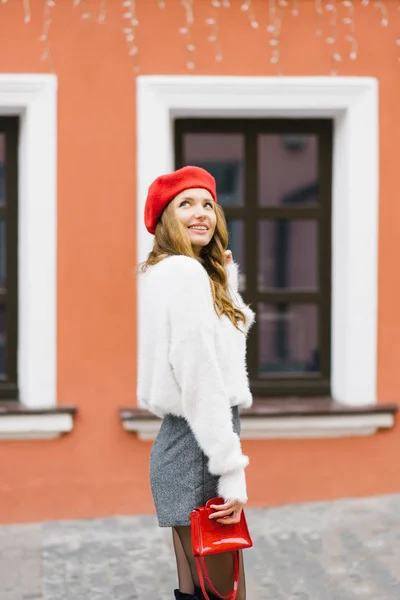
(352, 102)
(34, 99)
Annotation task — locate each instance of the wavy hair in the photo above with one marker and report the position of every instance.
(171, 238)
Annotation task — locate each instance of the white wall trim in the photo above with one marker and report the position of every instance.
(287, 427)
(34, 427)
(353, 104)
(34, 99)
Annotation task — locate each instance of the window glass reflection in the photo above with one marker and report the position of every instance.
(288, 254)
(3, 340)
(3, 254)
(236, 245)
(288, 340)
(288, 170)
(2, 169)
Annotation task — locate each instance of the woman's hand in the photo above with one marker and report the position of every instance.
(228, 257)
(228, 513)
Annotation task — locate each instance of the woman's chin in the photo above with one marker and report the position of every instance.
(199, 240)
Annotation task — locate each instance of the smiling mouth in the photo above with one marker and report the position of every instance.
(198, 227)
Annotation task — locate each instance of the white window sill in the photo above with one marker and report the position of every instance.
(35, 425)
(283, 426)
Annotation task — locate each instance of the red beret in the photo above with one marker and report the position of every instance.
(166, 187)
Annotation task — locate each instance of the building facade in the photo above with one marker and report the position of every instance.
(289, 107)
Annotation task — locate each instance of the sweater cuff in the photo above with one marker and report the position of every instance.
(232, 486)
(227, 464)
(227, 457)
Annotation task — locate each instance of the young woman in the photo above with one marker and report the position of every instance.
(192, 369)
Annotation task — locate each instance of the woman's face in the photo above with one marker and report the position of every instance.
(195, 210)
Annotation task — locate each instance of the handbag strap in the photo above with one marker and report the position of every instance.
(202, 566)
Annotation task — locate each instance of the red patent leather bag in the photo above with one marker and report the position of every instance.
(210, 537)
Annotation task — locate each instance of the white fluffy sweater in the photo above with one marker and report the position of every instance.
(192, 363)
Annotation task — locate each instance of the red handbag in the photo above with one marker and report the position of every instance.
(210, 537)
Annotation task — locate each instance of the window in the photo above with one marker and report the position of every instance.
(274, 179)
(8, 257)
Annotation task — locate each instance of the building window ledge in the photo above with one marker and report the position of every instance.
(17, 422)
(296, 418)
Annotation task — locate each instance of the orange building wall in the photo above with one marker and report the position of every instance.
(99, 469)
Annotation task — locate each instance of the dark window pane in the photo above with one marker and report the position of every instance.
(2, 169)
(3, 255)
(222, 155)
(288, 254)
(288, 169)
(236, 244)
(3, 340)
(288, 340)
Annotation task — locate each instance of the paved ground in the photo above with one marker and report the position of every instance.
(345, 550)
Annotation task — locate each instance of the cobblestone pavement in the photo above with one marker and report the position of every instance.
(344, 550)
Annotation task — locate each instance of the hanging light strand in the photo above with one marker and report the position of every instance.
(380, 5)
(129, 30)
(349, 21)
(296, 8)
(186, 31)
(213, 35)
(276, 9)
(102, 11)
(320, 15)
(274, 32)
(398, 36)
(27, 11)
(85, 11)
(44, 38)
(331, 8)
(247, 7)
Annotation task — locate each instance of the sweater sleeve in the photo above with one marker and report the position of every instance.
(195, 366)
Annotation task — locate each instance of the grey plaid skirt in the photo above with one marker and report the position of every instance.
(179, 477)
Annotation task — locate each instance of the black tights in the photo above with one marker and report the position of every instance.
(220, 567)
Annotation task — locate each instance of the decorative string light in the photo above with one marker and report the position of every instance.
(212, 22)
(331, 7)
(349, 20)
(102, 11)
(85, 11)
(47, 20)
(320, 13)
(247, 7)
(27, 11)
(380, 5)
(274, 30)
(276, 9)
(129, 14)
(186, 30)
(398, 37)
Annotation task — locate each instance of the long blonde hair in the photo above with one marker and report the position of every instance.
(171, 238)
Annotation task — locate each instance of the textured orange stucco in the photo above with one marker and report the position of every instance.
(99, 469)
